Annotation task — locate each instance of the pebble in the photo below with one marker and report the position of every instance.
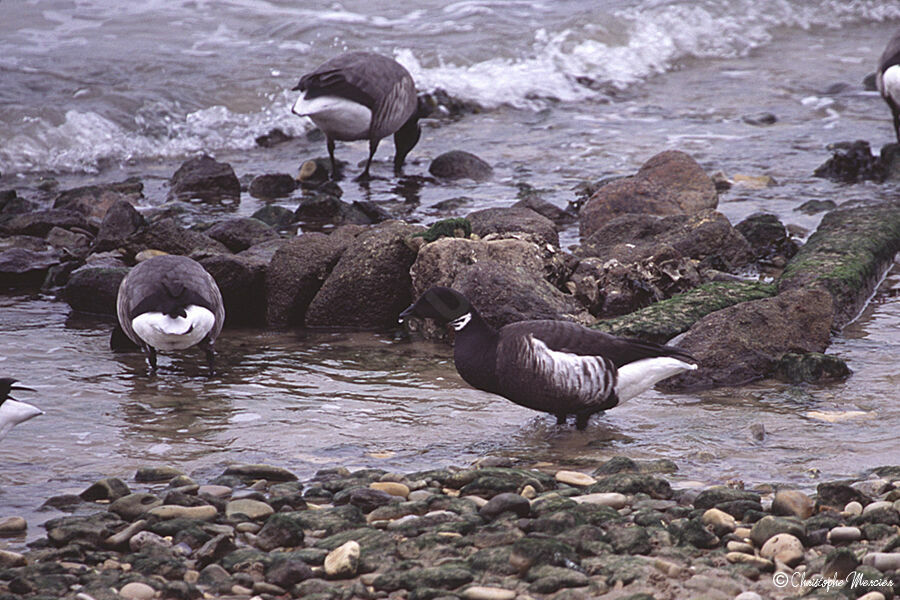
(883, 561)
(742, 532)
(749, 559)
(575, 478)
(240, 590)
(783, 547)
(669, 568)
(173, 511)
(529, 492)
(719, 520)
(840, 535)
(735, 546)
(792, 503)
(419, 495)
(343, 561)
(143, 539)
(136, 591)
(853, 508)
(873, 595)
(254, 510)
(9, 559)
(877, 506)
(612, 499)
(216, 491)
(12, 526)
(480, 592)
(394, 488)
(478, 501)
(119, 538)
(748, 596)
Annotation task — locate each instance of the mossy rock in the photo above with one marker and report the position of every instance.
(456, 227)
(664, 320)
(847, 255)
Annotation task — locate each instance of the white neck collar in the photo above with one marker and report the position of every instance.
(460, 322)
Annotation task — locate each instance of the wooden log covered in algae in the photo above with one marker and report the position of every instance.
(664, 320)
(848, 254)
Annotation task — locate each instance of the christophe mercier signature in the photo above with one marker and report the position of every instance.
(854, 580)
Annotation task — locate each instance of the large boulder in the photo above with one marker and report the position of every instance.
(297, 271)
(706, 236)
(240, 279)
(25, 267)
(513, 219)
(121, 221)
(370, 284)
(204, 178)
(459, 164)
(744, 342)
(95, 200)
(240, 233)
(167, 236)
(40, 222)
(94, 289)
(670, 183)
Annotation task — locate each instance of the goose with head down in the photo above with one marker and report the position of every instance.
(12, 411)
(556, 367)
(887, 79)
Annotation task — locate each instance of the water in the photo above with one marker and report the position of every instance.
(96, 91)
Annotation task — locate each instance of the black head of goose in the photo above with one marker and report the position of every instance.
(361, 96)
(887, 78)
(12, 411)
(170, 303)
(556, 367)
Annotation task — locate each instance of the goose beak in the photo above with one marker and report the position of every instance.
(406, 314)
(21, 388)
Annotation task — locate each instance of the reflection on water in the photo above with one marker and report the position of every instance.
(305, 400)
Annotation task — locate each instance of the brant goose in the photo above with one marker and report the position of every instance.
(888, 79)
(12, 411)
(170, 303)
(359, 96)
(552, 366)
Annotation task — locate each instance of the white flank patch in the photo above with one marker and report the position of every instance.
(641, 375)
(165, 333)
(13, 412)
(338, 118)
(586, 378)
(890, 83)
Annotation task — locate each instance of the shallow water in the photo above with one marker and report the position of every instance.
(666, 75)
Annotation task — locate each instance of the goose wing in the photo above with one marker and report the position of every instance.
(890, 57)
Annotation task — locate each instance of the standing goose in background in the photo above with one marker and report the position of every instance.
(887, 78)
(359, 96)
(170, 303)
(556, 367)
(12, 411)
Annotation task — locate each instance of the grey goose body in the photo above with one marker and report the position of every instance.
(556, 367)
(361, 95)
(170, 303)
(887, 79)
(12, 411)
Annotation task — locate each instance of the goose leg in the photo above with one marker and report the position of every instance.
(581, 421)
(561, 418)
(207, 347)
(330, 144)
(373, 146)
(150, 353)
(896, 112)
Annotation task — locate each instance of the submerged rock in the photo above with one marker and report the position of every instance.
(275, 185)
(813, 367)
(768, 238)
(25, 268)
(670, 183)
(851, 162)
(205, 179)
(327, 209)
(94, 289)
(458, 164)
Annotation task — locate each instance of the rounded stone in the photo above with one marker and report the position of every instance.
(172, 511)
(394, 488)
(783, 547)
(481, 592)
(506, 501)
(843, 535)
(132, 506)
(254, 510)
(883, 561)
(735, 546)
(144, 539)
(12, 526)
(721, 522)
(216, 491)
(575, 478)
(853, 508)
(9, 559)
(343, 561)
(611, 499)
(873, 506)
(748, 596)
(749, 559)
(792, 503)
(136, 591)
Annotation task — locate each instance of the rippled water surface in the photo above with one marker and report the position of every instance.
(570, 93)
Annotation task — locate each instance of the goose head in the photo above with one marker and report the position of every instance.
(442, 304)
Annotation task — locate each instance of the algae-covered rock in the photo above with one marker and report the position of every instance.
(811, 367)
(847, 254)
(664, 320)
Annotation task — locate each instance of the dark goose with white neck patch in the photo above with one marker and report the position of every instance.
(557, 367)
(361, 96)
(170, 303)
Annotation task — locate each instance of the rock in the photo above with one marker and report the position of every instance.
(94, 289)
(721, 522)
(39, 223)
(144, 539)
(391, 487)
(370, 284)
(692, 532)
(783, 547)
(837, 494)
(770, 526)
(132, 506)
(275, 185)
(240, 233)
(167, 236)
(575, 478)
(173, 511)
(214, 549)
(633, 483)
(883, 561)
(758, 562)
(280, 530)
(792, 503)
(560, 217)
(763, 118)
(205, 179)
(851, 162)
(706, 236)
(91, 529)
(719, 495)
(811, 367)
(445, 578)
(547, 579)
(156, 474)
(839, 563)
(844, 535)
(23, 268)
(504, 502)
(297, 271)
(109, 488)
(95, 200)
(273, 138)
(10, 559)
(252, 509)
(11, 526)
(74, 244)
(367, 499)
(458, 164)
(288, 572)
(812, 207)
(481, 592)
(137, 591)
(742, 343)
(768, 238)
(343, 561)
(611, 499)
(670, 183)
(274, 216)
(240, 280)
(853, 508)
(258, 471)
(328, 209)
(508, 220)
(12, 204)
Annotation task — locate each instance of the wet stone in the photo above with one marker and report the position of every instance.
(721, 522)
(633, 483)
(10, 526)
(154, 474)
(267, 472)
(281, 530)
(792, 503)
(252, 509)
(110, 488)
(712, 497)
(505, 502)
(769, 526)
(783, 547)
(343, 561)
(136, 591)
(844, 535)
(575, 478)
